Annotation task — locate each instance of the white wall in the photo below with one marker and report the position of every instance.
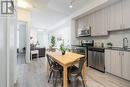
(22, 35)
(33, 34)
(45, 17)
(41, 36)
(63, 31)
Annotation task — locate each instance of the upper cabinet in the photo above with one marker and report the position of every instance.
(84, 23)
(115, 16)
(118, 15)
(111, 18)
(99, 26)
(126, 13)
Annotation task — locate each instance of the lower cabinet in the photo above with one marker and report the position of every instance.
(108, 61)
(118, 63)
(126, 65)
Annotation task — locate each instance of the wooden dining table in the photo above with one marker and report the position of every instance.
(67, 60)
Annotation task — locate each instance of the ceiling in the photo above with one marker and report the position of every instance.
(47, 13)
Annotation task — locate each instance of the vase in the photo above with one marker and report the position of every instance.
(63, 53)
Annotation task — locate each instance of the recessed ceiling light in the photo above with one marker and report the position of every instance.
(71, 6)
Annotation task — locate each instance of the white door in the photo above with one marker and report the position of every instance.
(126, 65)
(115, 63)
(108, 61)
(115, 16)
(126, 13)
(3, 51)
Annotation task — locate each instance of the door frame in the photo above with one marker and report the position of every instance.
(27, 41)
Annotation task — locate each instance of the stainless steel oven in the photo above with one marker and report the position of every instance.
(83, 48)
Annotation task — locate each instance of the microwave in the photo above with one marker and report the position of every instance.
(85, 32)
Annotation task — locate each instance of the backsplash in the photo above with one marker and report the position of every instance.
(115, 37)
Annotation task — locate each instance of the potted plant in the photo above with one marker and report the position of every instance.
(53, 41)
(62, 49)
(51, 47)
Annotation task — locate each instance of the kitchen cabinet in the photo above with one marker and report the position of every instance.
(90, 20)
(84, 23)
(100, 23)
(118, 15)
(126, 65)
(81, 24)
(126, 13)
(115, 16)
(117, 63)
(112, 18)
(113, 62)
(108, 61)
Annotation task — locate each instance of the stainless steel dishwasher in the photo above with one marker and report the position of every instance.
(96, 58)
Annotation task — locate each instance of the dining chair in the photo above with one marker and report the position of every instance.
(55, 69)
(75, 72)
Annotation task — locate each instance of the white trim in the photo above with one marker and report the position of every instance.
(27, 43)
(8, 47)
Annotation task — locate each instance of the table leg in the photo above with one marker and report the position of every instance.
(65, 81)
(84, 73)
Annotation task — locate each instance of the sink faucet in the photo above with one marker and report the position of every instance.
(125, 42)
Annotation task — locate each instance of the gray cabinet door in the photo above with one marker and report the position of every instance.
(115, 63)
(100, 23)
(126, 65)
(115, 16)
(108, 61)
(126, 13)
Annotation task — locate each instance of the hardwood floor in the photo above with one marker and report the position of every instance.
(35, 74)
(21, 59)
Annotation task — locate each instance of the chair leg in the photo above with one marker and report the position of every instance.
(55, 78)
(82, 80)
(50, 76)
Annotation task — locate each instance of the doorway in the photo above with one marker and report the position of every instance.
(21, 42)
